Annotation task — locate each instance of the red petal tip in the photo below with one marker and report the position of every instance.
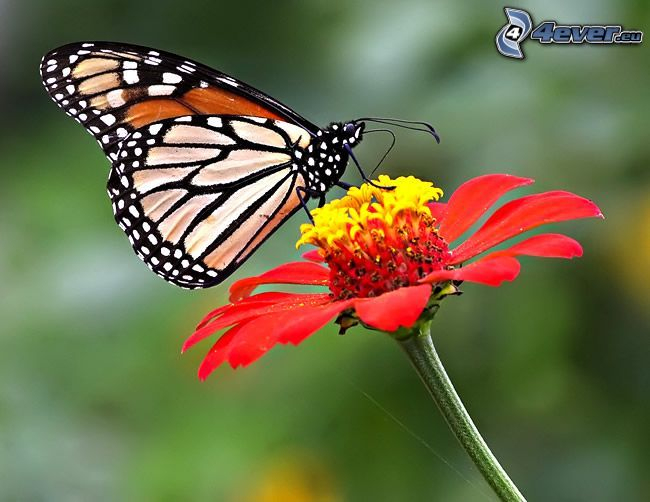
(521, 215)
(543, 246)
(313, 255)
(186, 345)
(472, 199)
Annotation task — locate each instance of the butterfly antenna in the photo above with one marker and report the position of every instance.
(413, 125)
(392, 144)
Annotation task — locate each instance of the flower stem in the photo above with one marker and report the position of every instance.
(419, 347)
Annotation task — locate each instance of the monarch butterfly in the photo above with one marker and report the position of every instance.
(204, 168)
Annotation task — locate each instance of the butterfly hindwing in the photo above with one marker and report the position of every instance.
(113, 89)
(197, 194)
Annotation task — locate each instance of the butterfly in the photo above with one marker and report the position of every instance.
(204, 168)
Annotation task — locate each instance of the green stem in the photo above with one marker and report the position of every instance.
(419, 347)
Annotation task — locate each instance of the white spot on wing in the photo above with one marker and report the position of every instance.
(171, 78)
(115, 98)
(229, 81)
(131, 76)
(160, 90)
(108, 119)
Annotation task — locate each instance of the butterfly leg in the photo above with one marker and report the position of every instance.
(304, 194)
(362, 172)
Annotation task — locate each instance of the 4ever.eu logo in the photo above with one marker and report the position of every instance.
(520, 27)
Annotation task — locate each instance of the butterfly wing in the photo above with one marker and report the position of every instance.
(113, 89)
(196, 195)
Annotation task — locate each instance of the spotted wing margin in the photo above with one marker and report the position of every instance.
(112, 89)
(196, 195)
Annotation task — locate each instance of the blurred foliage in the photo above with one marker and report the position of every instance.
(96, 402)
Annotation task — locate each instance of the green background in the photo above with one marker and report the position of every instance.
(96, 402)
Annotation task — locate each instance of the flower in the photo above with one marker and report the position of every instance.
(385, 256)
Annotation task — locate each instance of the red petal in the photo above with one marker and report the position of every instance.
(218, 353)
(438, 210)
(521, 215)
(491, 271)
(297, 329)
(544, 246)
(248, 341)
(389, 311)
(212, 314)
(472, 199)
(263, 333)
(298, 272)
(313, 255)
(246, 310)
(270, 297)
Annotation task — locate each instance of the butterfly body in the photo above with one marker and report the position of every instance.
(324, 160)
(204, 168)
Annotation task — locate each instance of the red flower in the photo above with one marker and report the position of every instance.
(388, 259)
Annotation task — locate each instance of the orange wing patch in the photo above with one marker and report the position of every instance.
(204, 101)
(155, 110)
(213, 101)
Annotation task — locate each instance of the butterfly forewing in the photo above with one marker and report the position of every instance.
(114, 89)
(197, 194)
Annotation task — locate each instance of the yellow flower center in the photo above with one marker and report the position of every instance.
(378, 239)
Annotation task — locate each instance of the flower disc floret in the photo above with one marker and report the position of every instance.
(379, 237)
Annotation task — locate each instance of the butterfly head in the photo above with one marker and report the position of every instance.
(353, 132)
